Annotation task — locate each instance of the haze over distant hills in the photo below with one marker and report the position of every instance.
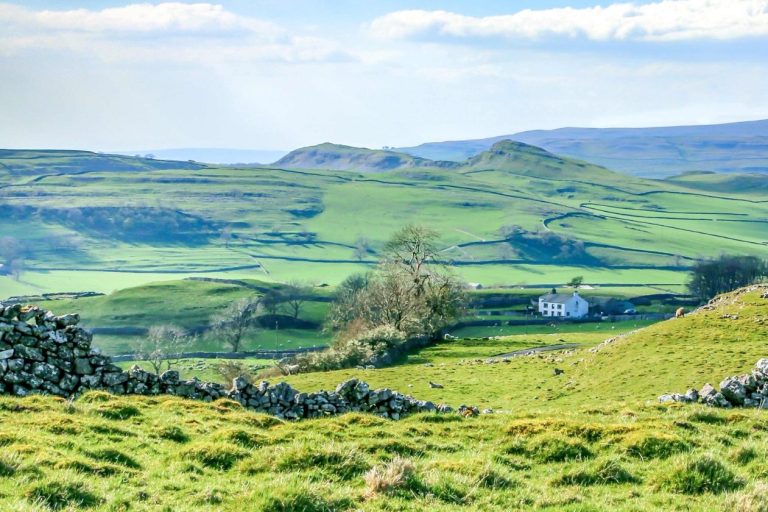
(650, 152)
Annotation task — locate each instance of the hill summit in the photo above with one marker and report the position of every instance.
(338, 157)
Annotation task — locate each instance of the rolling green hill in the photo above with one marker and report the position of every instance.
(514, 215)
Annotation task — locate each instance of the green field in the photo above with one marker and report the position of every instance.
(88, 222)
(593, 438)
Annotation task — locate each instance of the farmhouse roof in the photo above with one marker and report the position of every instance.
(557, 298)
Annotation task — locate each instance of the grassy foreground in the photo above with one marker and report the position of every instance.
(593, 438)
(107, 453)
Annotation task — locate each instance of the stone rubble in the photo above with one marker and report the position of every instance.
(750, 390)
(47, 354)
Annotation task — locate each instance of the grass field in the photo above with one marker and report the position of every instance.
(591, 439)
(88, 222)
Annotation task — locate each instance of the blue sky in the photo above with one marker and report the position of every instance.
(278, 74)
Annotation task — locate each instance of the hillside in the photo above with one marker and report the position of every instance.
(594, 435)
(649, 152)
(514, 215)
(347, 158)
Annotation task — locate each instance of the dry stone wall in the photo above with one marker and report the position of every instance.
(48, 354)
(749, 390)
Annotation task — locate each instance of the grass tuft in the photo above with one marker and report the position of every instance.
(115, 457)
(607, 472)
(214, 455)
(59, 495)
(653, 445)
(385, 478)
(699, 475)
(117, 411)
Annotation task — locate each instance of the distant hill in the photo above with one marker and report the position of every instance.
(337, 157)
(503, 156)
(224, 156)
(650, 152)
(31, 162)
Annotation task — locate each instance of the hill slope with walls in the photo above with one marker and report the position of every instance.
(651, 152)
(515, 214)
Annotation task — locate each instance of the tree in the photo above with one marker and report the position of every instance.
(235, 321)
(295, 295)
(409, 290)
(162, 346)
(272, 300)
(362, 248)
(575, 282)
(410, 250)
(712, 277)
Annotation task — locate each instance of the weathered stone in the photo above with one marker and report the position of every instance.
(25, 352)
(83, 366)
(6, 354)
(115, 379)
(46, 372)
(733, 390)
(67, 320)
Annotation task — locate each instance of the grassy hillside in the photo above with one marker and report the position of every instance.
(593, 438)
(337, 157)
(120, 317)
(104, 229)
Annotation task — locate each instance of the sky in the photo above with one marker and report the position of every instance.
(281, 74)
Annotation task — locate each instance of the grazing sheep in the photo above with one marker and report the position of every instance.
(680, 313)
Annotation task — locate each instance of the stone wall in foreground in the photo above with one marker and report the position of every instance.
(749, 390)
(48, 354)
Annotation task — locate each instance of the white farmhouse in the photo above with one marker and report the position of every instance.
(563, 305)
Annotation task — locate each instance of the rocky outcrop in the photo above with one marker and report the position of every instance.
(750, 390)
(48, 354)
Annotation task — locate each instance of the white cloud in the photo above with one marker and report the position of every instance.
(165, 31)
(667, 20)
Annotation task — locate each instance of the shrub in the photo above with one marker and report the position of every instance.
(385, 478)
(215, 455)
(59, 495)
(231, 369)
(701, 475)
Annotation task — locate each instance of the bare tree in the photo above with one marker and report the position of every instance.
(162, 346)
(362, 248)
(232, 324)
(296, 294)
(409, 290)
(411, 249)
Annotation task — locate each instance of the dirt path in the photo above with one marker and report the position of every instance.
(534, 350)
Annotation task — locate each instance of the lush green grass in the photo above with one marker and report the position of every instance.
(593, 438)
(174, 454)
